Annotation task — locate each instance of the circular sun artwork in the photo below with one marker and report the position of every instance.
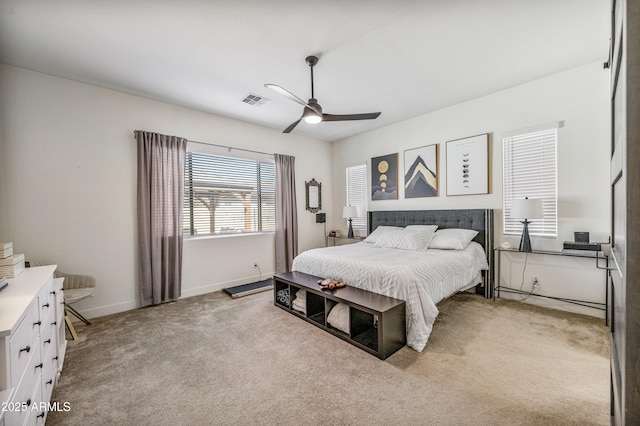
(385, 187)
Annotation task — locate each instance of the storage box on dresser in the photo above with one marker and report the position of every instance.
(29, 349)
(376, 322)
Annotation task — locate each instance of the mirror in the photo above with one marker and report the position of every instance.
(314, 195)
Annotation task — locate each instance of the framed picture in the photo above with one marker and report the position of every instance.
(421, 172)
(468, 165)
(384, 177)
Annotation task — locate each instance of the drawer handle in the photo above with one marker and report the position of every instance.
(52, 292)
(27, 349)
(49, 382)
(54, 323)
(38, 366)
(55, 357)
(46, 305)
(40, 415)
(47, 341)
(29, 402)
(37, 323)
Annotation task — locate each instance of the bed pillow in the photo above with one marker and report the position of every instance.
(339, 317)
(407, 239)
(380, 231)
(452, 239)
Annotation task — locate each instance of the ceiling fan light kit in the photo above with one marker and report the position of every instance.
(312, 112)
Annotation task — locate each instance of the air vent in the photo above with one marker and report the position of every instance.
(256, 100)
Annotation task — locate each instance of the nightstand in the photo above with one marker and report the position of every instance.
(341, 240)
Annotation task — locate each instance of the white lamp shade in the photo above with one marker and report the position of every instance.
(527, 208)
(350, 211)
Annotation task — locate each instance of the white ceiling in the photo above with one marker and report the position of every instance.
(404, 58)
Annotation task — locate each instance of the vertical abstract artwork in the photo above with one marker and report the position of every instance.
(421, 172)
(468, 165)
(384, 177)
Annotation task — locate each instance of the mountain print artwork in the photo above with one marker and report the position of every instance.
(421, 175)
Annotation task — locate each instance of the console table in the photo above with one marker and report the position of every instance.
(496, 287)
(377, 323)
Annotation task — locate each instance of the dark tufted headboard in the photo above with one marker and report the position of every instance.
(480, 220)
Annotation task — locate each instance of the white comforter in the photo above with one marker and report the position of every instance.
(420, 278)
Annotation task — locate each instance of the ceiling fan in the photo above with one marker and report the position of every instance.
(312, 112)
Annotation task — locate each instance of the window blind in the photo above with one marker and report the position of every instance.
(357, 195)
(530, 170)
(228, 195)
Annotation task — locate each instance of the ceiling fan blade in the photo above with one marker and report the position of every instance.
(291, 96)
(346, 117)
(292, 126)
(286, 93)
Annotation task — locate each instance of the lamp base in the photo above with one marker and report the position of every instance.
(350, 234)
(525, 242)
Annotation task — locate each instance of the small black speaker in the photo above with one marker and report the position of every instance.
(321, 217)
(581, 237)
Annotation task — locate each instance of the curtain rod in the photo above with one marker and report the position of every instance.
(230, 147)
(226, 146)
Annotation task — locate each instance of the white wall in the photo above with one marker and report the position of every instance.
(68, 184)
(579, 98)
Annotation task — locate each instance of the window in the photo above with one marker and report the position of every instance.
(228, 195)
(357, 195)
(530, 170)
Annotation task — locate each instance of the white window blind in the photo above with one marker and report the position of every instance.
(357, 195)
(530, 170)
(228, 195)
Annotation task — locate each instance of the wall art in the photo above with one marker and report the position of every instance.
(421, 172)
(468, 165)
(384, 177)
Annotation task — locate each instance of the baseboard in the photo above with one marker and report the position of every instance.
(117, 308)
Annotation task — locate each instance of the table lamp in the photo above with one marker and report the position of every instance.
(527, 208)
(349, 212)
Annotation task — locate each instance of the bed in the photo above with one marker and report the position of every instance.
(422, 278)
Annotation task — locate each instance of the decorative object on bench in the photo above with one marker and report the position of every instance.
(330, 284)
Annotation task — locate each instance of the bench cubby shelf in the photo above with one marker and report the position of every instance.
(376, 323)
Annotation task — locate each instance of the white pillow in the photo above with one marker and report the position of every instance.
(339, 317)
(407, 239)
(379, 231)
(452, 239)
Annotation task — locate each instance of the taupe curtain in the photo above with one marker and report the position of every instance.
(286, 212)
(160, 198)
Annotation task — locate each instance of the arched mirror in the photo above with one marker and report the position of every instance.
(314, 195)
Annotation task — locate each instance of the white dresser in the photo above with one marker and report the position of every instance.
(32, 345)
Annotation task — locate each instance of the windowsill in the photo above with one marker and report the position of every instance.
(219, 236)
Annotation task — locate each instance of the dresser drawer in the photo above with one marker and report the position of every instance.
(37, 414)
(48, 330)
(25, 396)
(49, 372)
(47, 301)
(22, 343)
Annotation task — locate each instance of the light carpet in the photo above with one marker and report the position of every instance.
(210, 360)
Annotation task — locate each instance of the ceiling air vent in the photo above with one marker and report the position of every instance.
(253, 99)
